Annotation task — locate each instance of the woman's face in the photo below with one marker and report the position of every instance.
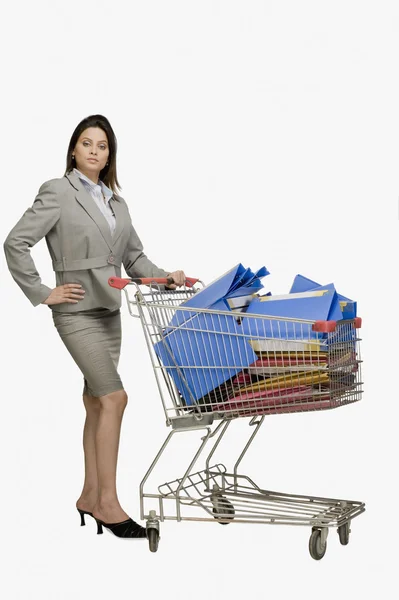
(92, 144)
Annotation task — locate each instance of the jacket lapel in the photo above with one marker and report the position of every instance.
(87, 202)
(119, 218)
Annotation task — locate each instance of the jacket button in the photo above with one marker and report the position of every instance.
(111, 259)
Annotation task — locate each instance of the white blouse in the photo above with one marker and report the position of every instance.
(96, 191)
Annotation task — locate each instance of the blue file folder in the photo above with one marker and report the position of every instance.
(238, 281)
(348, 307)
(317, 305)
(204, 352)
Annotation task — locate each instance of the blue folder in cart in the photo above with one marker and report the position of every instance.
(347, 306)
(314, 305)
(302, 284)
(236, 282)
(204, 352)
(208, 295)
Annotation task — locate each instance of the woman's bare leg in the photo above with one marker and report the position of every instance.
(112, 407)
(89, 494)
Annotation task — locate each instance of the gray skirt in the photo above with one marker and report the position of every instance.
(93, 339)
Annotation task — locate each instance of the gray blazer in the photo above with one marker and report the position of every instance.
(80, 243)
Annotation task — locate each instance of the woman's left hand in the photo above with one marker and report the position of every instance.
(178, 277)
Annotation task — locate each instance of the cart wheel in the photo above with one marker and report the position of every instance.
(343, 532)
(316, 548)
(223, 506)
(153, 538)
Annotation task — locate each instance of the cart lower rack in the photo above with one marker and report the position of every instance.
(213, 367)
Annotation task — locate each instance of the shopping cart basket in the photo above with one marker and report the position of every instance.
(213, 366)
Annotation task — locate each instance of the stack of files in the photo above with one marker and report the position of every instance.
(280, 362)
(287, 381)
(219, 359)
(200, 350)
(296, 368)
(290, 382)
(298, 400)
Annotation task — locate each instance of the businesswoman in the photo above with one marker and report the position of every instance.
(89, 234)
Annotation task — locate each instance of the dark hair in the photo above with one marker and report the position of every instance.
(108, 173)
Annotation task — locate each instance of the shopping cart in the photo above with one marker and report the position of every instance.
(213, 366)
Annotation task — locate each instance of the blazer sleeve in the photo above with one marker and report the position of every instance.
(134, 260)
(34, 224)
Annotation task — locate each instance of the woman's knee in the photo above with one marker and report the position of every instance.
(114, 400)
(92, 403)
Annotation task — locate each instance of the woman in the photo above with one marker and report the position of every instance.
(89, 235)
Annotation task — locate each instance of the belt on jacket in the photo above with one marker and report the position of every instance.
(86, 263)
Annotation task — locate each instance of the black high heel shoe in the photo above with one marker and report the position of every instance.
(124, 529)
(82, 516)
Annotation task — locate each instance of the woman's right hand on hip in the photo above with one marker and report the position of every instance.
(69, 292)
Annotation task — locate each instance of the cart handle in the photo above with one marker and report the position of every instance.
(120, 282)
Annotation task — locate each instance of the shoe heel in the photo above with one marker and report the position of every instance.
(99, 527)
(82, 517)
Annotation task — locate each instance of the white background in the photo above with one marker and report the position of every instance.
(261, 132)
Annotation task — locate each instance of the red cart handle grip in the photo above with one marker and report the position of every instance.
(119, 282)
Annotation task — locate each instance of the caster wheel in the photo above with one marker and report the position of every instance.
(223, 506)
(343, 532)
(153, 539)
(316, 548)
